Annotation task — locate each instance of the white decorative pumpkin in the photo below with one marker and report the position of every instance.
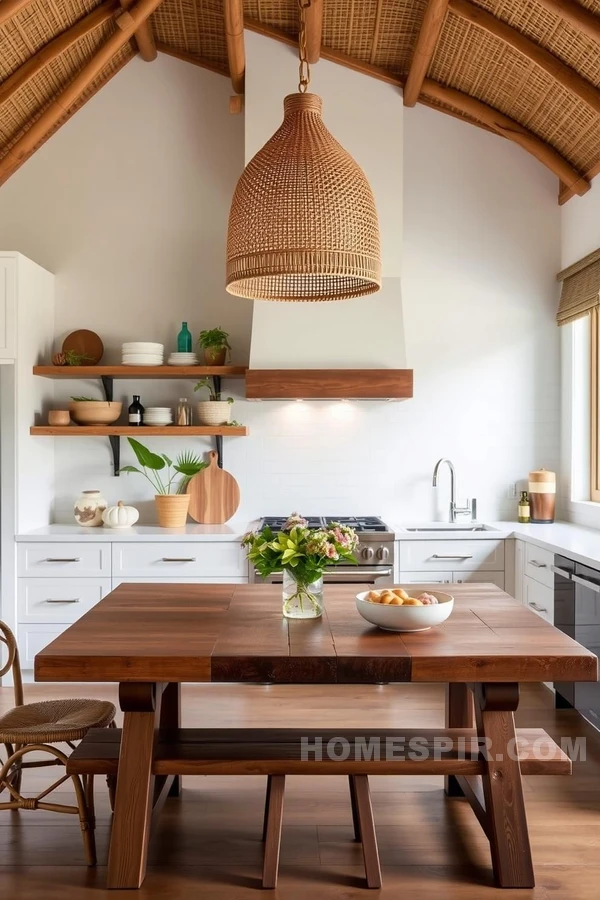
(120, 516)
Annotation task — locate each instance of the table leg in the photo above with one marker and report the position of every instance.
(502, 787)
(459, 714)
(170, 718)
(128, 851)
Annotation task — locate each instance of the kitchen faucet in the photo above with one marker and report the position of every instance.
(470, 508)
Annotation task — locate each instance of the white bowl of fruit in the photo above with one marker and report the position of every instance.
(413, 608)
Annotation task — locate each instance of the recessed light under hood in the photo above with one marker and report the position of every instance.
(329, 384)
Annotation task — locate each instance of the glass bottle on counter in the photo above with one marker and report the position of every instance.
(136, 411)
(184, 339)
(184, 412)
(524, 513)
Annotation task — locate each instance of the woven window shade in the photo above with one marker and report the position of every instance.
(580, 288)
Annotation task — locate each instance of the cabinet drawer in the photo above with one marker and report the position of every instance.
(538, 565)
(425, 578)
(58, 599)
(33, 638)
(164, 580)
(187, 560)
(418, 556)
(538, 598)
(57, 559)
(496, 578)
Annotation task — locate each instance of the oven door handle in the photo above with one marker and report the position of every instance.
(341, 577)
(588, 584)
(562, 572)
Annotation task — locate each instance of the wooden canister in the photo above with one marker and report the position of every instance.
(542, 496)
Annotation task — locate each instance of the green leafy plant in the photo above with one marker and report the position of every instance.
(85, 400)
(214, 339)
(186, 465)
(212, 393)
(75, 359)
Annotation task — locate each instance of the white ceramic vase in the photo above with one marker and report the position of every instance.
(88, 509)
(214, 412)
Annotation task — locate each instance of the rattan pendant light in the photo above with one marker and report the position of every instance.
(303, 224)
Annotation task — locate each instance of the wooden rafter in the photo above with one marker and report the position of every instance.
(575, 14)
(143, 36)
(9, 8)
(53, 49)
(127, 24)
(236, 53)
(342, 59)
(431, 27)
(563, 74)
(187, 57)
(314, 30)
(510, 129)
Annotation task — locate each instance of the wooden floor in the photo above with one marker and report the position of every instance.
(208, 844)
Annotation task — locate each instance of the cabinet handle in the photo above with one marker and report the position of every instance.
(562, 572)
(179, 559)
(63, 559)
(538, 565)
(537, 608)
(443, 556)
(63, 601)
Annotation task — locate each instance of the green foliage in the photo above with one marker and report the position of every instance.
(214, 339)
(209, 385)
(186, 465)
(76, 359)
(85, 400)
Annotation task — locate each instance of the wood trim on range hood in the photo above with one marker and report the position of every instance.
(329, 384)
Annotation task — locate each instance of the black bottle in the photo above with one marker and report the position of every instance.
(136, 411)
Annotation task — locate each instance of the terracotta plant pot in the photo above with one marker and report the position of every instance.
(214, 357)
(59, 417)
(214, 412)
(172, 509)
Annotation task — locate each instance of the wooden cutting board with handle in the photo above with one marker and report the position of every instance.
(214, 494)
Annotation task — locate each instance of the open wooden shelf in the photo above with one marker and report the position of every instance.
(129, 372)
(140, 431)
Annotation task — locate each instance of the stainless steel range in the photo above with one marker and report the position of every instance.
(375, 553)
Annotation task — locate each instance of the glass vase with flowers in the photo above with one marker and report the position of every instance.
(302, 554)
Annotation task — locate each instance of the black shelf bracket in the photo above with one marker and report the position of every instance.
(114, 439)
(219, 438)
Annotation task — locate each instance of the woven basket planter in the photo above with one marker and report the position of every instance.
(214, 412)
(303, 224)
(172, 509)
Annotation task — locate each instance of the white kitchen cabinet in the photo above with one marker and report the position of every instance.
(68, 559)
(425, 578)
(58, 599)
(496, 578)
(538, 565)
(539, 598)
(444, 555)
(33, 639)
(519, 570)
(8, 308)
(157, 561)
(214, 580)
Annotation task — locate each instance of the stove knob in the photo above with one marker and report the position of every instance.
(383, 553)
(368, 553)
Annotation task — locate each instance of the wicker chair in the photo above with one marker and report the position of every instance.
(33, 728)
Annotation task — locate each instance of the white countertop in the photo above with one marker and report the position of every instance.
(233, 531)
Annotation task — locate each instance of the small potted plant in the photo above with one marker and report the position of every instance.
(213, 411)
(215, 343)
(171, 500)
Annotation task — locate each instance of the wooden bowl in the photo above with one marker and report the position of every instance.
(59, 417)
(95, 412)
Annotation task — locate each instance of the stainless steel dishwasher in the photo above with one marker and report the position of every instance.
(577, 613)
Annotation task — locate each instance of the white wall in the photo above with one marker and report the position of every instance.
(128, 205)
(580, 235)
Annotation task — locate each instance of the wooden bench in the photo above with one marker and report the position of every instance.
(279, 752)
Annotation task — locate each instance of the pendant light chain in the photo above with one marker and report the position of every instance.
(303, 68)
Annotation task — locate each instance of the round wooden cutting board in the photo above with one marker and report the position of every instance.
(214, 494)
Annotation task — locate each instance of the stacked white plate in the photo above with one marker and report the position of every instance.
(143, 353)
(158, 415)
(183, 359)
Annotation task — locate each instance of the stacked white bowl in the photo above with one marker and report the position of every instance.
(183, 359)
(143, 353)
(158, 415)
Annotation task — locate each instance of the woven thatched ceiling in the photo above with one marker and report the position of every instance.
(527, 69)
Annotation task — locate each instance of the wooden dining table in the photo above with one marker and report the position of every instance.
(152, 637)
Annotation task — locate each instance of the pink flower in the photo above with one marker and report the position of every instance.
(294, 520)
(331, 552)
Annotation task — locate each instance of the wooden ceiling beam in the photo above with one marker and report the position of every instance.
(52, 50)
(143, 36)
(570, 79)
(314, 30)
(510, 129)
(236, 52)
(431, 27)
(580, 17)
(127, 23)
(342, 59)
(9, 8)
(187, 57)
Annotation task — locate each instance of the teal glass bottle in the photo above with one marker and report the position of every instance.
(184, 339)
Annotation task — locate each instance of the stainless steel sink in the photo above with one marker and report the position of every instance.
(449, 527)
